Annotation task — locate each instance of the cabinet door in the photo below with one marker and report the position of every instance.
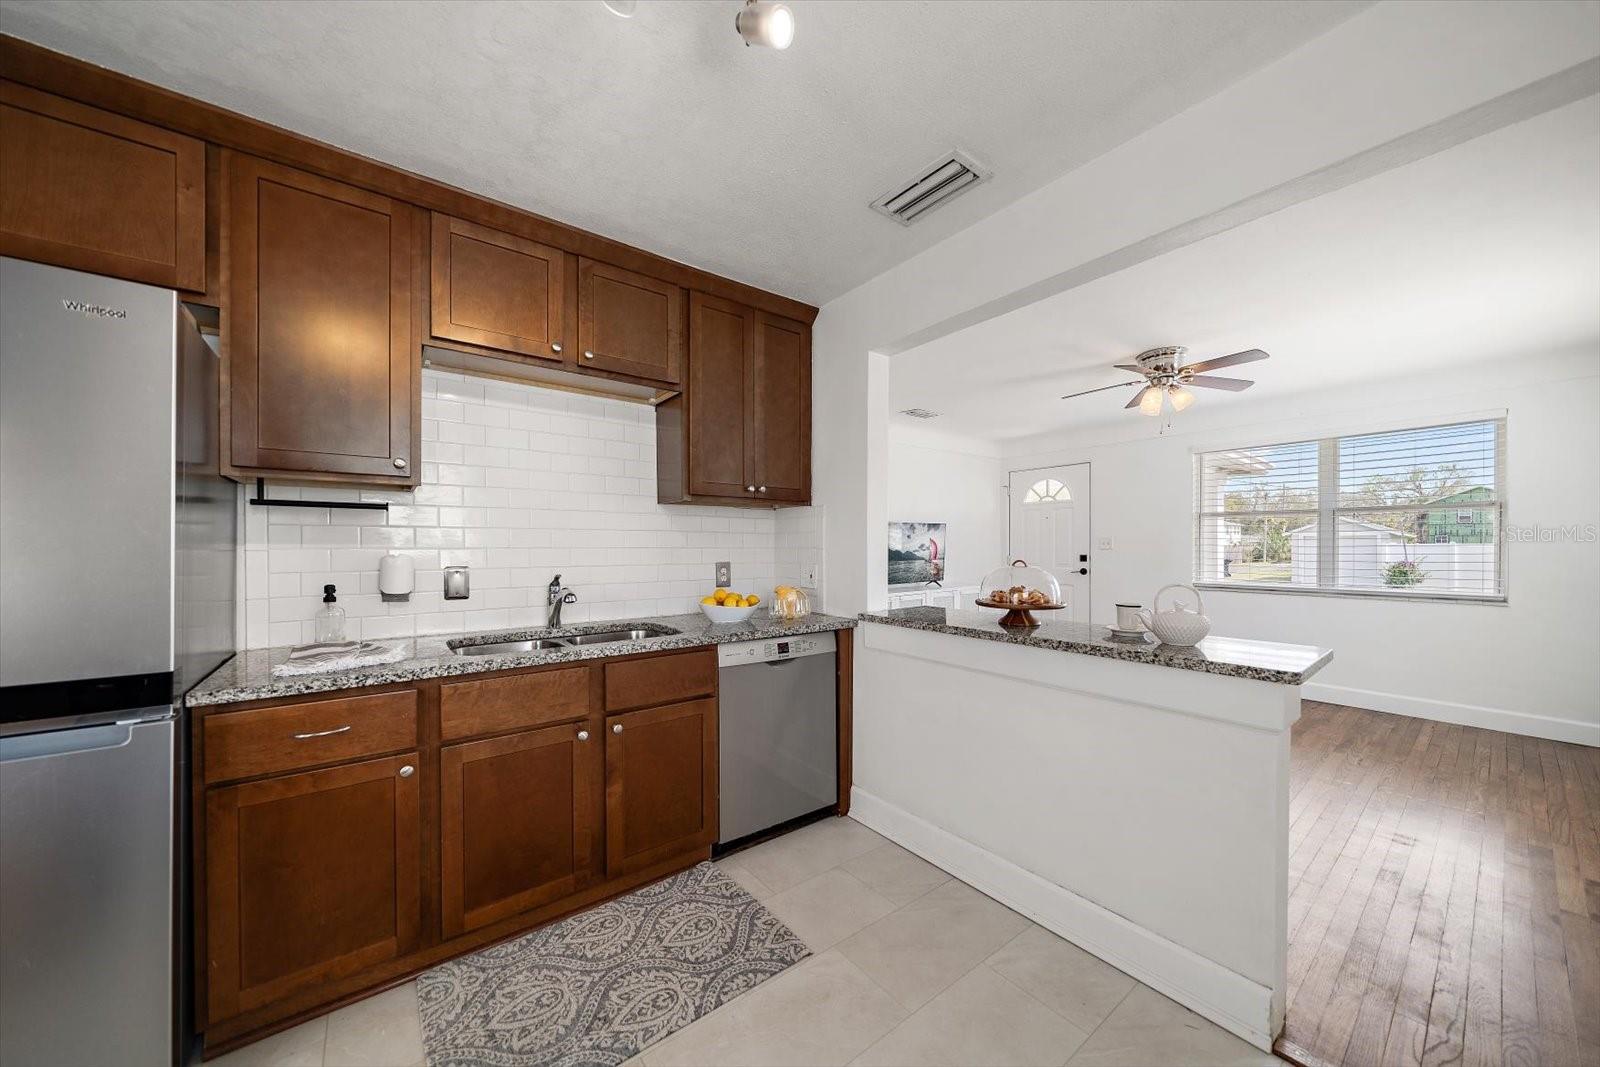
(498, 290)
(721, 338)
(309, 877)
(661, 784)
(323, 367)
(629, 323)
(518, 814)
(86, 189)
(780, 409)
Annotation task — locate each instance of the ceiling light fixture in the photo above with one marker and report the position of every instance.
(1150, 400)
(766, 23)
(1181, 397)
(623, 9)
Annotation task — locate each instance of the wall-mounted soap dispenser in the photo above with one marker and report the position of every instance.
(397, 577)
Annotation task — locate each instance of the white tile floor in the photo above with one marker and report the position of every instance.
(910, 967)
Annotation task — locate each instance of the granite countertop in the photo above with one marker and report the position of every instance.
(248, 675)
(1261, 661)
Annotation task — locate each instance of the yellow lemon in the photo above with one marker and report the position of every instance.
(751, 601)
(720, 596)
(708, 600)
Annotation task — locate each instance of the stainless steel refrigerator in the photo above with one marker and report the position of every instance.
(117, 575)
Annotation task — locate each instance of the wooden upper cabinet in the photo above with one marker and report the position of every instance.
(93, 191)
(741, 430)
(661, 784)
(780, 409)
(323, 360)
(498, 290)
(309, 877)
(629, 323)
(721, 339)
(518, 815)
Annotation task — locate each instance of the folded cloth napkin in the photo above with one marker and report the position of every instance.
(336, 656)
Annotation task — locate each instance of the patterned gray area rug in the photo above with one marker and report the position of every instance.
(598, 987)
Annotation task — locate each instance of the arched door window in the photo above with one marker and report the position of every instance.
(1046, 491)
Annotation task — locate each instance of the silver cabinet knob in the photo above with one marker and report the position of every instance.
(407, 771)
(749, 488)
(583, 735)
(555, 346)
(761, 489)
(617, 729)
(400, 463)
(588, 355)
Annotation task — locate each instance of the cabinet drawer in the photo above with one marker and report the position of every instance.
(495, 705)
(660, 680)
(243, 744)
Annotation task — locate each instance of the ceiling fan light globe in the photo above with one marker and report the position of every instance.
(1150, 401)
(1181, 397)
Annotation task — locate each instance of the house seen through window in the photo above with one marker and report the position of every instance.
(1407, 512)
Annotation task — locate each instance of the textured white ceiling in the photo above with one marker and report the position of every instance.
(1487, 251)
(665, 132)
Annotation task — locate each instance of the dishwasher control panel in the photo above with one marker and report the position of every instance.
(775, 648)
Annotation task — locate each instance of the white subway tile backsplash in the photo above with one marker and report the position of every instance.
(519, 483)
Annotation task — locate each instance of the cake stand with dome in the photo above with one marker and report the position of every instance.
(1020, 590)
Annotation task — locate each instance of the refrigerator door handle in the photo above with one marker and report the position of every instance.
(64, 742)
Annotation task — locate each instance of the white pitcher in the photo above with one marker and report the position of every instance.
(1180, 625)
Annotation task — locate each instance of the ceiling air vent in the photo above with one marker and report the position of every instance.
(939, 183)
(920, 413)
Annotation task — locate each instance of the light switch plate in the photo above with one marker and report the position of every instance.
(724, 574)
(1104, 544)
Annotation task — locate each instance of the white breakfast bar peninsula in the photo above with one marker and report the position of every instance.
(1132, 798)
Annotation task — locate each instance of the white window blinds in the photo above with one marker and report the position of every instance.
(1406, 513)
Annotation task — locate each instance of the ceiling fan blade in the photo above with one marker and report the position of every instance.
(1211, 381)
(1130, 366)
(1249, 355)
(1138, 397)
(1102, 389)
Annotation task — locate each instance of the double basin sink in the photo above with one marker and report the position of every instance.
(470, 647)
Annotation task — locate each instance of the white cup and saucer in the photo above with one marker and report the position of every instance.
(1129, 626)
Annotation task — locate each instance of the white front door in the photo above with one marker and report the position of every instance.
(1050, 529)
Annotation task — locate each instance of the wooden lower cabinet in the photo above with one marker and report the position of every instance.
(661, 783)
(309, 877)
(346, 840)
(517, 821)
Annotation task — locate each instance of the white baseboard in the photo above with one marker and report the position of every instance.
(1226, 997)
(1511, 722)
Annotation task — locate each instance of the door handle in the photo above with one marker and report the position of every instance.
(1083, 570)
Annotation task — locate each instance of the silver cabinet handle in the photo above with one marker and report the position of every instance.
(322, 733)
(588, 355)
(617, 729)
(400, 463)
(555, 346)
(583, 735)
(407, 771)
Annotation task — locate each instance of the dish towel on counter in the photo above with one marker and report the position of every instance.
(336, 656)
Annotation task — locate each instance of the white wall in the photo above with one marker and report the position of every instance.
(518, 483)
(1528, 666)
(937, 477)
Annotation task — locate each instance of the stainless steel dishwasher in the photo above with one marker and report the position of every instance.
(777, 733)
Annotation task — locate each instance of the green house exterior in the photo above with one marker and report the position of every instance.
(1453, 520)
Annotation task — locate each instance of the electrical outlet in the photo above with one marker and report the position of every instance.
(724, 574)
(809, 575)
(1104, 544)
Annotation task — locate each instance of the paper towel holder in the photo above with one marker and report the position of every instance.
(397, 578)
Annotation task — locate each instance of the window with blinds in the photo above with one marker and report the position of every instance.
(1414, 513)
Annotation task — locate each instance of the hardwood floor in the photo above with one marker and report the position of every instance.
(1444, 895)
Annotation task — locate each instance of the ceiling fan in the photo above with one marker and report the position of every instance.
(1164, 379)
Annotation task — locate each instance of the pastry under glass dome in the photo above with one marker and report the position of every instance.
(1018, 590)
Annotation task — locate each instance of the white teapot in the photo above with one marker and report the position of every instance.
(1179, 626)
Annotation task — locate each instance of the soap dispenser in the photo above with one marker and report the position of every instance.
(330, 620)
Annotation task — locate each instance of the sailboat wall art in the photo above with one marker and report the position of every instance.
(917, 552)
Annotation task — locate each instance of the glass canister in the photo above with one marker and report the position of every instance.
(790, 603)
(1020, 590)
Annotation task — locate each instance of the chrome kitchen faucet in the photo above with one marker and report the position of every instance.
(559, 595)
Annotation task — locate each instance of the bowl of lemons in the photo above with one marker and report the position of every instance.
(725, 605)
